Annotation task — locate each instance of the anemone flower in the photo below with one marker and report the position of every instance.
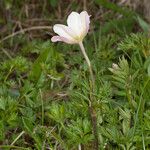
(77, 29)
(74, 33)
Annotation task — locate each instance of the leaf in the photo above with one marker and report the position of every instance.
(143, 24)
(12, 120)
(45, 64)
(57, 112)
(79, 132)
(37, 68)
(28, 125)
(2, 103)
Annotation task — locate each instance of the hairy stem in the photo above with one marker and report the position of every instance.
(91, 107)
(88, 63)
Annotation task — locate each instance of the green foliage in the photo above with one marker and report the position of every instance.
(46, 64)
(122, 78)
(121, 26)
(53, 3)
(79, 132)
(45, 89)
(8, 115)
(143, 24)
(18, 65)
(28, 125)
(136, 42)
(57, 113)
(114, 7)
(137, 46)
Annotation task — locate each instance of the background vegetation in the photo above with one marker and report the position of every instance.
(44, 87)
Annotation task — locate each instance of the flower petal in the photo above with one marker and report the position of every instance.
(56, 38)
(74, 22)
(64, 31)
(59, 38)
(85, 20)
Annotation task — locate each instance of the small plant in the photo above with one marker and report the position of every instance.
(74, 33)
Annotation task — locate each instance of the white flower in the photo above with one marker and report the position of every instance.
(74, 33)
(115, 66)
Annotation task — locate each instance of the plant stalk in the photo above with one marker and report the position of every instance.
(91, 105)
(88, 63)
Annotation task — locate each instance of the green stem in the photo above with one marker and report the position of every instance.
(10, 71)
(42, 108)
(139, 107)
(17, 138)
(6, 53)
(88, 63)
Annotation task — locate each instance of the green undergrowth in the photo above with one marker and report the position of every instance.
(44, 101)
